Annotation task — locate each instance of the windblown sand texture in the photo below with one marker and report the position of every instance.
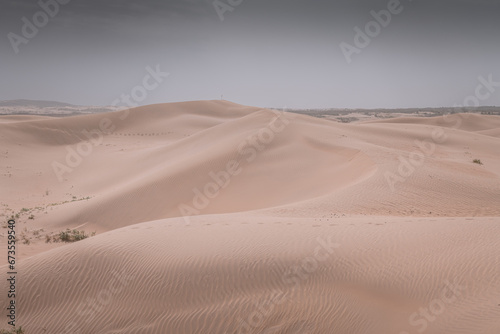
(374, 227)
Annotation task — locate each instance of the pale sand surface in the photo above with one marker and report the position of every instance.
(308, 238)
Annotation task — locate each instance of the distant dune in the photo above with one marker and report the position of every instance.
(49, 108)
(34, 103)
(213, 217)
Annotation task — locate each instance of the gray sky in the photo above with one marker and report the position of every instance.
(269, 53)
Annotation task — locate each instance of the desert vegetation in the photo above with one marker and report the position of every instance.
(12, 331)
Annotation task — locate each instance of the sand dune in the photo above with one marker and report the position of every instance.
(292, 224)
(465, 122)
(164, 277)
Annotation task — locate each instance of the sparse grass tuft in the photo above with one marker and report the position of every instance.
(67, 236)
(72, 235)
(477, 161)
(14, 330)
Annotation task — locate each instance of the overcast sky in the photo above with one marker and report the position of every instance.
(269, 53)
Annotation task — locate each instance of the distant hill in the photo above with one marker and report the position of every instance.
(34, 103)
(49, 108)
(353, 115)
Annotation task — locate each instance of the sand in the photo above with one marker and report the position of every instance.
(212, 217)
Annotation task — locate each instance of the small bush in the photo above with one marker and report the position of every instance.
(477, 161)
(12, 331)
(72, 235)
(67, 236)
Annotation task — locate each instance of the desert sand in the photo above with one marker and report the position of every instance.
(212, 217)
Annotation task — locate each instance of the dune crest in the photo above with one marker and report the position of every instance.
(212, 217)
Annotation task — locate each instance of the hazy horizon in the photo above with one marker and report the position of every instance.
(263, 53)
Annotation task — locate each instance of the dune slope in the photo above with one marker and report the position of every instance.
(212, 217)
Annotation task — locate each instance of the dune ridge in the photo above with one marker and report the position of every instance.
(294, 224)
